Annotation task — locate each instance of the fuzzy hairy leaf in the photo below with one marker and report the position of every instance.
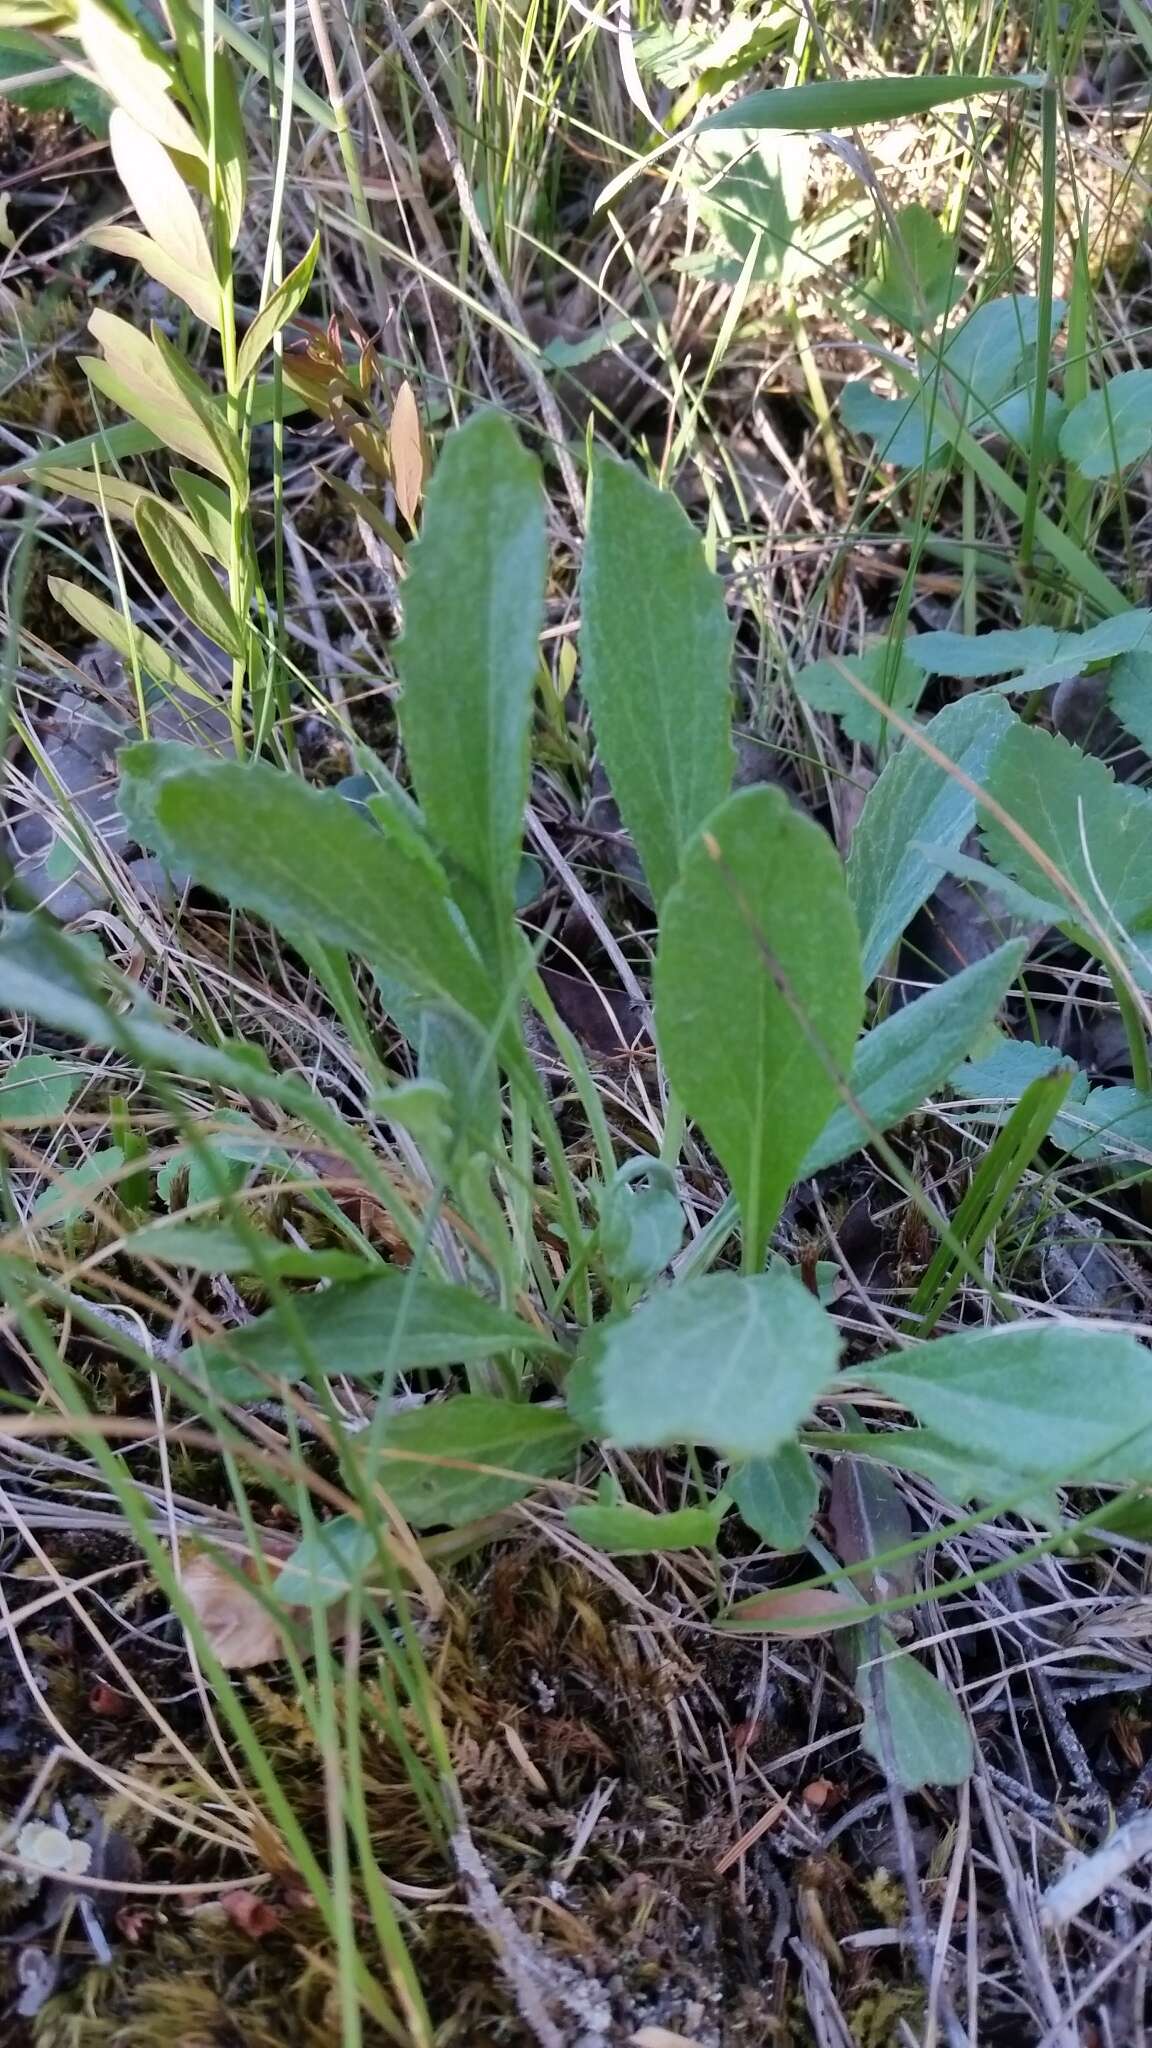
(778, 1495)
(473, 603)
(365, 1329)
(656, 654)
(914, 1050)
(308, 862)
(915, 803)
(1070, 1400)
(1097, 831)
(735, 1363)
(758, 994)
(445, 1443)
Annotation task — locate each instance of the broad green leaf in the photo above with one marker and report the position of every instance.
(735, 1363)
(854, 102)
(1036, 657)
(1096, 830)
(626, 1531)
(916, 803)
(287, 298)
(366, 1329)
(222, 1248)
(958, 1477)
(974, 382)
(163, 202)
(209, 510)
(133, 74)
(106, 623)
(656, 655)
(1070, 1400)
(187, 577)
(38, 1086)
(752, 190)
(990, 354)
(1110, 1123)
(73, 1194)
(1002, 1072)
(889, 672)
(473, 605)
(911, 431)
(1111, 428)
(641, 1221)
(778, 1495)
(758, 994)
(447, 1443)
(308, 862)
(1130, 695)
(201, 299)
(916, 279)
(912, 1724)
(327, 1563)
(915, 1050)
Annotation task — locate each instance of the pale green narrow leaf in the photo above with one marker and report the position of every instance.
(163, 201)
(208, 509)
(853, 102)
(913, 1727)
(39, 1086)
(366, 1329)
(778, 1495)
(1068, 1400)
(1112, 427)
(899, 1063)
(626, 1531)
(188, 577)
(134, 75)
(307, 861)
(733, 1363)
(327, 1563)
(915, 803)
(106, 491)
(106, 623)
(473, 603)
(201, 299)
(758, 994)
(656, 654)
(158, 409)
(287, 298)
(447, 1443)
(1096, 830)
(231, 460)
(117, 443)
(222, 108)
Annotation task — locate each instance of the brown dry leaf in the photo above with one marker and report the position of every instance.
(790, 1610)
(238, 1626)
(406, 447)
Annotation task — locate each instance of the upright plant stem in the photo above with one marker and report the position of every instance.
(1046, 272)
